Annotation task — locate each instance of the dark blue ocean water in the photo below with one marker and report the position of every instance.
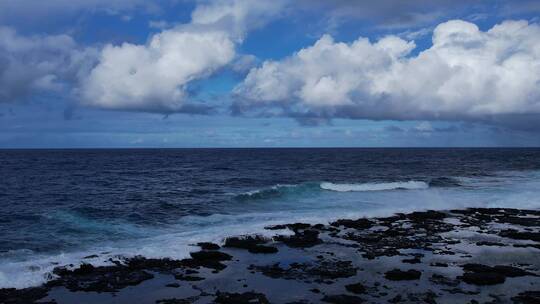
(58, 205)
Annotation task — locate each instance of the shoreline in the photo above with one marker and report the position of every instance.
(454, 256)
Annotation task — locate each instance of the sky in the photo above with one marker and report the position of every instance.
(281, 73)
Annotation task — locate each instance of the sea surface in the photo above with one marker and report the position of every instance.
(59, 206)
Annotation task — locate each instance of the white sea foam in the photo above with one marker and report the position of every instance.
(409, 185)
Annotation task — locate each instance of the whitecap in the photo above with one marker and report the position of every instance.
(409, 185)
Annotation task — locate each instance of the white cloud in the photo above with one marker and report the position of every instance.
(154, 77)
(39, 63)
(465, 74)
(418, 34)
(237, 16)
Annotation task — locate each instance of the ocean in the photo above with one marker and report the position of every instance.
(61, 207)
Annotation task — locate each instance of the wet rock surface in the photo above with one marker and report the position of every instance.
(241, 298)
(100, 279)
(342, 299)
(357, 288)
(28, 295)
(476, 255)
(400, 275)
(527, 297)
(208, 246)
(322, 271)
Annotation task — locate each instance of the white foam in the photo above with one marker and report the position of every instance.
(409, 185)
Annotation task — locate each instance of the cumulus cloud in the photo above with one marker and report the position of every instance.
(30, 64)
(237, 16)
(466, 74)
(155, 77)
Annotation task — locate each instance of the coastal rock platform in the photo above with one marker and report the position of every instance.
(476, 255)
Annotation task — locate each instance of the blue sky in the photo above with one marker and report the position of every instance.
(242, 73)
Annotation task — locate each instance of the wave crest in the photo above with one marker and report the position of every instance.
(409, 185)
(278, 191)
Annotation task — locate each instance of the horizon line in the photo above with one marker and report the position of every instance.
(261, 147)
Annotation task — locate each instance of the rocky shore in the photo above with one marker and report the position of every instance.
(475, 255)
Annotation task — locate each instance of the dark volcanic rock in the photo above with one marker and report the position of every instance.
(241, 298)
(207, 258)
(357, 288)
(320, 271)
(519, 235)
(522, 221)
(189, 278)
(438, 264)
(207, 255)
(479, 274)
(442, 280)
(100, 279)
(420, 216)
(472, 267)
(486, 243)
(293, 227)
(527, 297)
(385, 243)
(22, 296)
(208, 246)
(160, 265)
(537, 246)
(304, 239)
(207, 263)
(244, 242)
(174, 301)
(482, 278)
(173, 285)
(396, 299)
(342, 299)
(400, 275)
(356, 224)
(253, 244)
(512, 272)
(298, 226)
(414, 260)
(132, 272)
(177, 301)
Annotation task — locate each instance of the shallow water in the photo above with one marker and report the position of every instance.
(62, 205)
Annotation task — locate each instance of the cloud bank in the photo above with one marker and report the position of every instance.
(466, 74)
(31, 64)
(154, 77)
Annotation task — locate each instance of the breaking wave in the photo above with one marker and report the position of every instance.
(279, 191)
(409, 185)
(314, 187)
